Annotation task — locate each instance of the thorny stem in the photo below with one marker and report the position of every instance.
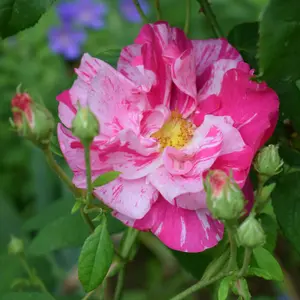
(233, 247)
(246, 262)
(87, 219)
(120, 283)
(60, 172)
(33, 277)
(140, 11)
(187, 17)
(199, 285)
(157, 8)
(126, 246)
(211, 18)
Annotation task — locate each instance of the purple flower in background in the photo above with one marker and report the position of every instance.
(66, 40)
(84, 12)
(129, 11)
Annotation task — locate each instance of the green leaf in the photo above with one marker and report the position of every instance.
(266, 261)
(76, 206)
(51, 213)
(224, 287)
(106, 178)
(244, 37)
(17, 15)
(65, 232)
(286, 203)
(96, 257)
(110, 56)
(260, 273)
(279, 53)
(270, 228)
(27, 296)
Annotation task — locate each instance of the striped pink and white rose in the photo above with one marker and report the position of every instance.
(174, 109)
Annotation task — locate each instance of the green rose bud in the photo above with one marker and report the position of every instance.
(85, 125)
(268, 161)
(32, 120)
(15, 246)
(224, 198)
(250, 233)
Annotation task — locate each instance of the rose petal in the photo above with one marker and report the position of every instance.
(132, 198)
(180, 229)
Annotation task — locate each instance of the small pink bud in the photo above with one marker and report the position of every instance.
(21, 108)
(224, 198)
(32, 120)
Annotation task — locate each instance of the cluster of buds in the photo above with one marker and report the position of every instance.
(32, 120)
(226, 201)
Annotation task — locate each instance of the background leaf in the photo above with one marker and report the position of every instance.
(268, 263)
(65, 232)
(95, 257)
(286, 202)
(17, 15)
(27, 296)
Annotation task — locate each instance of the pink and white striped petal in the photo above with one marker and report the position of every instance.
(209, 51)
(132, 198)
(130, 154)
(180, 229)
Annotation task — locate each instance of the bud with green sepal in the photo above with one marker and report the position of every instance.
(15, 246)
(263, 195)
(32, 120)
(268, 162)
(85, 125)
(250, 234)
(224, 198)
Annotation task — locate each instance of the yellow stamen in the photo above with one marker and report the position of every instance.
(176, 132)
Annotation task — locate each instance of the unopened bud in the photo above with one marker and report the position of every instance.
(85, 125)
(32, 120)
(224, 198)
(250, 233)
(15, 246)
(268, 161)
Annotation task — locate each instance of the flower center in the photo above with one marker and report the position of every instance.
(176, 132)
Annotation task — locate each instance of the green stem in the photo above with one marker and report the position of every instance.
(33, 277)
(199, 285)
(233, 248)
(87, 157)
(187, 17)
(126, 247)
(157, 8)
(129, 241)
(246, 262)
(60, 172)
(211, 18)
(140, 11)
(88, 295)
(87, 219)
(120, 284)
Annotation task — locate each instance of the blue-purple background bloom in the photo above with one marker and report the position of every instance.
(129, 11)
(66, 40)
(88, 13)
